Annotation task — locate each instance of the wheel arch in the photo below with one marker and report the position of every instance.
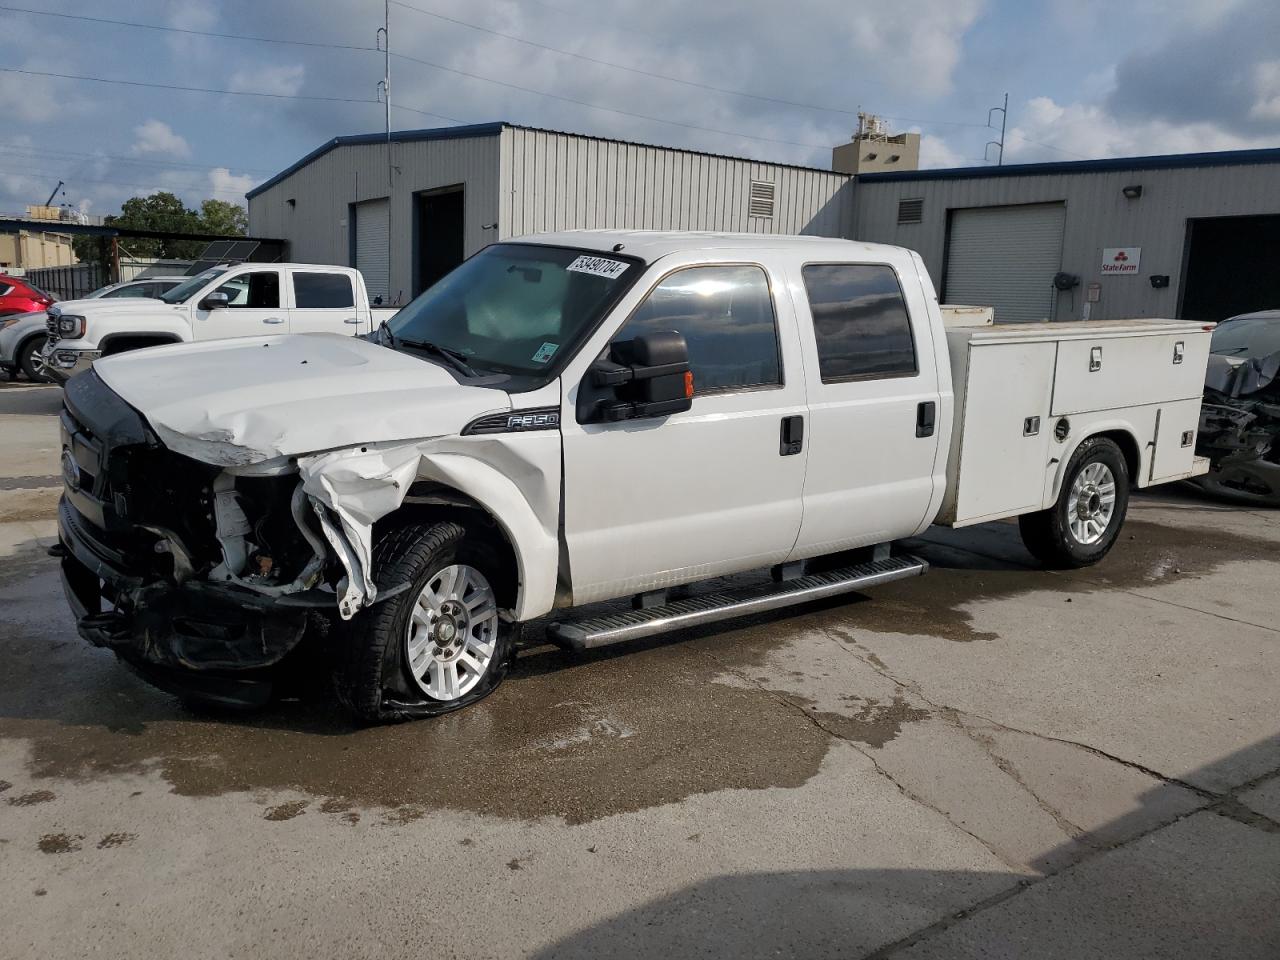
(1119, 432)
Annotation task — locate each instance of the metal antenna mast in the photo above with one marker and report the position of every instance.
(1004, 117)
(382, 40)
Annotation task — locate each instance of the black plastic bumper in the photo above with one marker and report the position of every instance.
(207, 641)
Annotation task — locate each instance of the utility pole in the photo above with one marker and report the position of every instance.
(382, 40)
(1004, 117)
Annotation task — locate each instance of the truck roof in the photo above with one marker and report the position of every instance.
(652, 244)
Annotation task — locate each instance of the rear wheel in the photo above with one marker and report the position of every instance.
(437, 647)
(26, 359)
(1083, 525)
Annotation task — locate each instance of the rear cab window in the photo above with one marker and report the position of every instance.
(322, 291)
(860, 322)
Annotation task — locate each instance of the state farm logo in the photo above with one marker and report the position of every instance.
(1121, 260)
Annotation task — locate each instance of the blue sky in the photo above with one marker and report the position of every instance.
(1086, 78)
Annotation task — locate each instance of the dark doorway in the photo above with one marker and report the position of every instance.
(1231, 267)
(438, 229)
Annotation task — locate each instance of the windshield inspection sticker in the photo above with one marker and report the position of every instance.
(599, 267)
(545, 352)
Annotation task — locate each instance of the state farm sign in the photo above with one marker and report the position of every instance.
(1121, 261)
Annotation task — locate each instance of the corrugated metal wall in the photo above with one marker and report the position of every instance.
(317, 225)
(556, 181)
(1098, 216)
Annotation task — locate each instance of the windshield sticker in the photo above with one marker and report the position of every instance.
(599, 267)
(545, 352)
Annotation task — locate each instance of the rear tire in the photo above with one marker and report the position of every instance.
(26, 359)
(438, 646)
(1082, 526)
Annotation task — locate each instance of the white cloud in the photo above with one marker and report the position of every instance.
(1047, 130)
(936, 153)
(156, 136)
(224, 184)
(1266, 89)
(284, 80)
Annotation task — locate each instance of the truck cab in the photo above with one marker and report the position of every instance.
(574, 418)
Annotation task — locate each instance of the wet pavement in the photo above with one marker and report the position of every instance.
(993, 760)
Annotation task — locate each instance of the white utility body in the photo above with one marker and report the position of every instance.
(223, 302)
(584, 416)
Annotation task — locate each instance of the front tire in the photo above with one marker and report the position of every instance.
(1082, 526)
(26, 359)
(437, 647)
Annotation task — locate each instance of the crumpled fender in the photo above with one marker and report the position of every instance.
(364, 484)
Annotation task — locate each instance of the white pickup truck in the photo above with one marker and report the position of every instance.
(578, 417)
(222, 302)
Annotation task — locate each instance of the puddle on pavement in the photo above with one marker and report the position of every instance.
(575, 738)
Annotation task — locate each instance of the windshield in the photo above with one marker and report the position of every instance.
(516, 308)
(1247, 337)
(188, 288)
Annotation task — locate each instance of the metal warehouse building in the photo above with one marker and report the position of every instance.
(448, 192)
(1191, 235)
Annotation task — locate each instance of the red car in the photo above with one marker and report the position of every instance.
(18, 296)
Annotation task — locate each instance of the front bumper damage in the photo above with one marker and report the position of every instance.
(204, 578)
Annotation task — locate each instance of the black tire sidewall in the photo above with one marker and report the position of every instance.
(1093, 450)
(25, 359)
(402, 698)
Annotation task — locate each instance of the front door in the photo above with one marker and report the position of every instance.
(651, 503)
(877, 418)
(255, 308)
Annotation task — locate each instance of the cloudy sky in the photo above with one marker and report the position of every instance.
(761, 78)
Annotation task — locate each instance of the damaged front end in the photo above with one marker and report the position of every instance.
(1240, 429)
(205, 577)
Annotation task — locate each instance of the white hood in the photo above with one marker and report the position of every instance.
(254, 399)
(141, 307)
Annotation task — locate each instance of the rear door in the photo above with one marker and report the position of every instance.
(324, 302)
(874, 403)
(656, 502)
(256, 307)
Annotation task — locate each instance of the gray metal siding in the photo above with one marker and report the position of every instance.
(1006, 257)
(556, 181)
(317, 225)
(1098, 216)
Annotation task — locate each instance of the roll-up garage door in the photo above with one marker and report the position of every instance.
(371, 247)
(1006, 257)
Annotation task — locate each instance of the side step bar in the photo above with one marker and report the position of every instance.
(615, 628)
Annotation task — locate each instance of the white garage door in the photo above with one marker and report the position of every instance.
(371, 247)
(1005, 257)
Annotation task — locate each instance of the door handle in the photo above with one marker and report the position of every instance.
(273, 319)
(791, 440)
(926, 415)
(351, 320)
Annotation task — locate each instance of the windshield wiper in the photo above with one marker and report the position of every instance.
(384, 327)
(455, 359)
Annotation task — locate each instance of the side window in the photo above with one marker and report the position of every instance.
(726, 316)
(319, 291)
(259, 290)
(860, 321)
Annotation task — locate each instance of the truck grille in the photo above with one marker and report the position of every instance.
(51, 327)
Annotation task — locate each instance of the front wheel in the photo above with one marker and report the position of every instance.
(437, 647)
(1083, 525)
(28, 361)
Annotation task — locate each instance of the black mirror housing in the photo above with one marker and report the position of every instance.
(649, 376)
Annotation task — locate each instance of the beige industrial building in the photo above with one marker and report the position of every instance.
(30, 250)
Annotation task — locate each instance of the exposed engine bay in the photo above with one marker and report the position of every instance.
(1240, 428)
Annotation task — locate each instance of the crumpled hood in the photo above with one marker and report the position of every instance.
(254, 399)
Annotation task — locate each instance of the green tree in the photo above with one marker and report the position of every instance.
(223, 217)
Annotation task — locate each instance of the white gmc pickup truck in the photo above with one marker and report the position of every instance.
(222, 302)
(578, 417)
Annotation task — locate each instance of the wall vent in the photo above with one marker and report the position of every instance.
(760, 199)
(911, 211)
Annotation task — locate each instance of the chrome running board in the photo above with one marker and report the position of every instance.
(693, 611)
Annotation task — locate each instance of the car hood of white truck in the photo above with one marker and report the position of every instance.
(254, 399)
(141, 307)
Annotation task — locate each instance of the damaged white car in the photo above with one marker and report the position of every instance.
(574, 418)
